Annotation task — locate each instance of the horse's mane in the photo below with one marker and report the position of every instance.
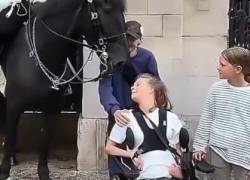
(52, 7)
(118, 4)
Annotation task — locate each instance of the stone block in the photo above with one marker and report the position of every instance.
(102, 157)
(188, 93)
(91, 136)
(137, 7)
(199, 56)
(172, 25)
(165, 7)
(203, 5)
(152, 24)
(164, 68)
(91, 107)
(86, 142)
(164, 48)
(205, 23)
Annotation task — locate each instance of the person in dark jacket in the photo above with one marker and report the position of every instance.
(114, 90)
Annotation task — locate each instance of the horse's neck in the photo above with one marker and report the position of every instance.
(54, 8)
(61, 21)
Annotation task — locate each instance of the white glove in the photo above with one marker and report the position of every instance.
(4, 4)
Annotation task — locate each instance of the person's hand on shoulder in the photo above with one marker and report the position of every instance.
(121, 117)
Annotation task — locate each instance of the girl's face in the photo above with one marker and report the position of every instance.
(141, 90)
(225, 69)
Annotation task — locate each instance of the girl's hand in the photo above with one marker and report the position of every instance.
(199, 155)
(131, 152)
(138, 161)
(175, 171)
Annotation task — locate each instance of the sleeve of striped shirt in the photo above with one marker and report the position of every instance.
(203, 131)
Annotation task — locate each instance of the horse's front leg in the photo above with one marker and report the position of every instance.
(46, 136)
(10, 142)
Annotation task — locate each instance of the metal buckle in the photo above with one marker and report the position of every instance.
(104, 55)
(101, 41)
(55, 87)
(94, 15)
(31, 54)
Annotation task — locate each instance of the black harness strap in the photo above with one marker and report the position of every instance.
(158, 130)
(151, 140)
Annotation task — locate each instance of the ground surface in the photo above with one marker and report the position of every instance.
(60, 168)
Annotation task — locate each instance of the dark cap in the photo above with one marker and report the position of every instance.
(133, 28)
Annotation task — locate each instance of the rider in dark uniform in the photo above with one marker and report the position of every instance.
(12, 15)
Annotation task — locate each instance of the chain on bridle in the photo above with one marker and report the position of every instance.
(99, 48)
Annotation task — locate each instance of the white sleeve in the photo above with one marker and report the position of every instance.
(173, 129)
(118, 134)
(202, 134)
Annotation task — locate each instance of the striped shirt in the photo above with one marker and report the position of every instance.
(225, 123)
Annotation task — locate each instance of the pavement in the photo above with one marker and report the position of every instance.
(60, 168)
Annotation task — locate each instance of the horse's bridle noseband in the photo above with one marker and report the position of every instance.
(102, 40)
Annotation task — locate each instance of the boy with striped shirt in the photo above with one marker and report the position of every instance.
(224, 128)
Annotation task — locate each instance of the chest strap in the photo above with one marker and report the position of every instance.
(151, 140)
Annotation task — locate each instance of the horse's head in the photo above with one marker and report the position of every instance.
(103, 24)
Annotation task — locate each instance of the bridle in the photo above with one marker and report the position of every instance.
(102, 40)
(99, 48)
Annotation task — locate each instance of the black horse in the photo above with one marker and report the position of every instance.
(35, 59)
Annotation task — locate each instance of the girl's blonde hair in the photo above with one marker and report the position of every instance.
(160, 91)
(239, 56)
